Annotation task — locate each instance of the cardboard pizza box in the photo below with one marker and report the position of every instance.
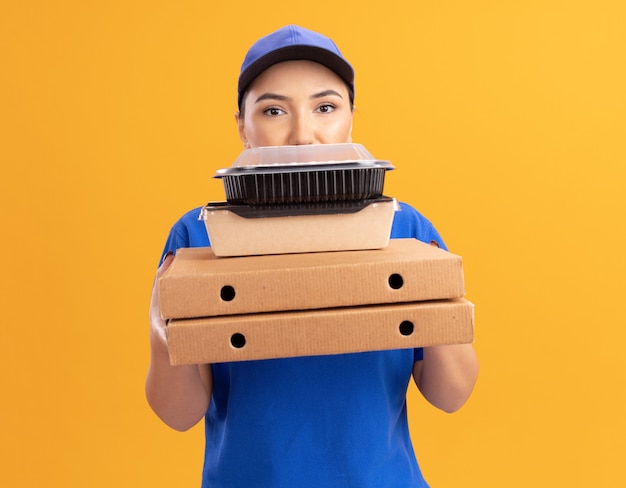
(200, 284)
(320, 332)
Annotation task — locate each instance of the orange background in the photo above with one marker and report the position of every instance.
(505, 121)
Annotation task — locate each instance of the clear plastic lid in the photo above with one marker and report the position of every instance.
(303, 158)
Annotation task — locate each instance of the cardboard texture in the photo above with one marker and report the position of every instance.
(199, 284)
(317, 332)
(368, 228)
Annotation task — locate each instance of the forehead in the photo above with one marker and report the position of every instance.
(295, 76)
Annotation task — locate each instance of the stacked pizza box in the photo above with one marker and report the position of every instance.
(301, 264)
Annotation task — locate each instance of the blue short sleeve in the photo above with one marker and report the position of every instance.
(188, 231)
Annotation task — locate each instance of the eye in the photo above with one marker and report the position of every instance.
(325, 108)
(273, 111)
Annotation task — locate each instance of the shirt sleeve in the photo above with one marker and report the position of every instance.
(418, 354)
(408, 222)
(188, 231)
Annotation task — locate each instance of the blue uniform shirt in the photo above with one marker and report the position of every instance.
(319, 421)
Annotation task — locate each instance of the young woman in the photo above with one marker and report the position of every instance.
(321, 421)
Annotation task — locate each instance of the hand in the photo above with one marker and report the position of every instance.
(157, 324)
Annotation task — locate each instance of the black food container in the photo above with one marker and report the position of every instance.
(304, 174)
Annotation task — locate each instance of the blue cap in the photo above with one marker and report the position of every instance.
(291, 43)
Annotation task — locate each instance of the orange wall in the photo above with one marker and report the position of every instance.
(506, 123)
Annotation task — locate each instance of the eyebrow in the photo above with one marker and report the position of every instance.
(276, 96)
(271, 96)
(326, 93)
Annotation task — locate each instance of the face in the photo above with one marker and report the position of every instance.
(295, 103)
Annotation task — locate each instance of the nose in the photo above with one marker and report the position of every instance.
(302, 130)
